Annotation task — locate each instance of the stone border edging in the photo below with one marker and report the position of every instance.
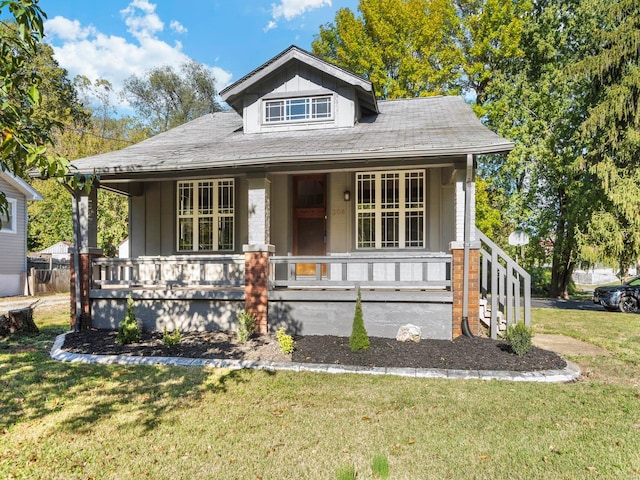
(570, 373)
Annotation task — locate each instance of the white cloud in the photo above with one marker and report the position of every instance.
(141, 19)
(68, 30)
(82, 50)
(177, 27)
(290, 9)
(270, 26)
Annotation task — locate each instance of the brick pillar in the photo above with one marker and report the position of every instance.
(86, 279)
(256, 284)
(457, 284)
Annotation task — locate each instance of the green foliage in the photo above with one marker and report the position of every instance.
(129, 332)
(28, 117)
(246, 325)
(410, 48)
(346, 473)
(165, 98)
(171, 339)
(359, 339)
(285, 340)
(380, 467)
(519, 336)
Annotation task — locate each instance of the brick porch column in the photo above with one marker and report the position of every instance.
(457, 284)
(86, 278)
(257, 251)
(256, 284)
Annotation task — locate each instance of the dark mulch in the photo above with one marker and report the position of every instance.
(461, 354)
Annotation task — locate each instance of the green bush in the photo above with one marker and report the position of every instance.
(519, 337)
(286, 341)
(129, 332)
(358, 340)
(171, 339)
(246, 325)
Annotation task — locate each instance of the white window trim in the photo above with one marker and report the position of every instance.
(216, 215)
(13, 211)
(309, 119)
(402, 210)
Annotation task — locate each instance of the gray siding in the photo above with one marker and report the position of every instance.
(298, 77)
(13, 246)
(152, 229)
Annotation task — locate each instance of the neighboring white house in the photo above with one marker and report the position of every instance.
(13, 234)
(57, 251)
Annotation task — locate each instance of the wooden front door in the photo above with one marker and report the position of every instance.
(309, 219)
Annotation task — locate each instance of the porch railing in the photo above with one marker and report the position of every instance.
(169, 272)
(410, 271)
(504, 284)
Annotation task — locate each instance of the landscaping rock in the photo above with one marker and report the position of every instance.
(409, 333)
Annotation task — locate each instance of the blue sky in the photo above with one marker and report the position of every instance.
(113, 39)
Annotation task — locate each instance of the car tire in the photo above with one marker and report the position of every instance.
(628, 304)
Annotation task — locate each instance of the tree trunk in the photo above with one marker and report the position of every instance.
(18, 322)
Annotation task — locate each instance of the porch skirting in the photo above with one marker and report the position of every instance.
(327, 312)
(185, 309)
(300, 312)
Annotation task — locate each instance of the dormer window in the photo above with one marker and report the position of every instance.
(300, 109)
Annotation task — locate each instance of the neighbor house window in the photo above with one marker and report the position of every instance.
(390, 210)
(9, 217)
(298, 109)
(205, 215)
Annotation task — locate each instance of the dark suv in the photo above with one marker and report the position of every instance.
(623, 298)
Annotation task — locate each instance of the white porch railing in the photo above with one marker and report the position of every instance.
(169, 272)
(505, 283)
(397, 271)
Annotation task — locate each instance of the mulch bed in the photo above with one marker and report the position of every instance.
(461, 354)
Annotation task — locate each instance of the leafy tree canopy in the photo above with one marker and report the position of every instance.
(168, 98)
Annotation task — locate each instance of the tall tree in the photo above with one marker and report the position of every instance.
(168, 98)
(540, 105)
(406, 48)
(613, 129)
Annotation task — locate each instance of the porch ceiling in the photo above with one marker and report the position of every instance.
(429, 128)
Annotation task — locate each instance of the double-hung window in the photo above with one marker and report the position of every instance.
(8, 217)
(390, 209)
(298, 109)
(205, 215)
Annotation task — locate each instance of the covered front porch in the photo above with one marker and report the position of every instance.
(206, 292)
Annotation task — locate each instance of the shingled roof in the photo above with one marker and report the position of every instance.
(428, 127)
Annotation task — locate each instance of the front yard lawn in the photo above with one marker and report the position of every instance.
(68, 421)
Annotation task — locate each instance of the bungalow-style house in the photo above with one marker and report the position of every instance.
(13, 234)
(306, 190)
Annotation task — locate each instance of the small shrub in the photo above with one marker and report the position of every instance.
(286, 341)
(246, 325)
(129, 331)
(358, 340)
(171, 339)
(519, 337)
(380, 467)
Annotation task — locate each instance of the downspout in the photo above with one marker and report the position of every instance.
(76, 257)
(467, 245)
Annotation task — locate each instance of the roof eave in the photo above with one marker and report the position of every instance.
(501, 148)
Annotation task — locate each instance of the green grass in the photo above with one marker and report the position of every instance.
(80, 421)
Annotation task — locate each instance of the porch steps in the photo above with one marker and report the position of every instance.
(485, 315)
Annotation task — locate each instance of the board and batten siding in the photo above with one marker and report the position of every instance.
(297, 79)
(13, 246)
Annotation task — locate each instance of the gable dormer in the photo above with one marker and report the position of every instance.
(299, 91)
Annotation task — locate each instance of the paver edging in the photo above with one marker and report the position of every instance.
(569, 374)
